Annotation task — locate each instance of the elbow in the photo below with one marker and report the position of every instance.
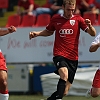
(90, 50)
(93, 34)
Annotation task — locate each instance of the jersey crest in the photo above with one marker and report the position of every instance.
(72, 22)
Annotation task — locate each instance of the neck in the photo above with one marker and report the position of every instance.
(66, 16)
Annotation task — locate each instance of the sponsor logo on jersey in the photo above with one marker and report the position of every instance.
(66, 31)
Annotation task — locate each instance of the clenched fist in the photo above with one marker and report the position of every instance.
(11, 29)
(33, 35)
(88, 22)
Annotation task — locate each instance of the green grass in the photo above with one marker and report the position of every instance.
(40, 97)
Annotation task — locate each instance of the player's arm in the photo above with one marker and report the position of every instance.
(7, 31)
(45, 32)
(94, 47)
(91, 30)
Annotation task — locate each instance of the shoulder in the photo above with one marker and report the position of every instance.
(78, 16)
(55, 17)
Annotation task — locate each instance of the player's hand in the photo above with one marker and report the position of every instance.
(32, 35)
(88, 22)
(11, 29)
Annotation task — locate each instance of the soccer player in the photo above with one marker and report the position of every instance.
(4, 95)
(95, 90)
(67, 30)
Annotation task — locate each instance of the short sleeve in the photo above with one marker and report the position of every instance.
(82, 24)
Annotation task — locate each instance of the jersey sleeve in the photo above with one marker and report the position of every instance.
(96, 40)
(50, 26)
(82, 24)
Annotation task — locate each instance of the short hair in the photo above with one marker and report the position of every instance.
(71, 2)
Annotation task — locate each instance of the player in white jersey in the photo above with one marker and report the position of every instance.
(95, 89)
(3, 69)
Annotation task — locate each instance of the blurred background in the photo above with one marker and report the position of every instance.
(29, 62)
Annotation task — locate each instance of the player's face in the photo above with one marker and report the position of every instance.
(68, 10)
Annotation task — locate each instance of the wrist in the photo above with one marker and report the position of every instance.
(90, 26)
(8, 31)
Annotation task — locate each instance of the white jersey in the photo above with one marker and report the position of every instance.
(96, 40)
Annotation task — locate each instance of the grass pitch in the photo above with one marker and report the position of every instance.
(40, 97)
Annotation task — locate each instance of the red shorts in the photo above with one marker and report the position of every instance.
(96, 80)
(2, 62)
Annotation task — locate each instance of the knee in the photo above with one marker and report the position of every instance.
(3, 84)
(64, 76)
(95, 94)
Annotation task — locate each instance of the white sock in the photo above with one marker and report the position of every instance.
(4, 96)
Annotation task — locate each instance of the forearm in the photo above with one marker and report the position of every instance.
(44, 33)
(92, 30)
(4, 32)
(94, 47)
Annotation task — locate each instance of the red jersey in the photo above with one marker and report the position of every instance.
(26, 4)
(67, 33)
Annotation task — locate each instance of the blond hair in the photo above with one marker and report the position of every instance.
(71, 2)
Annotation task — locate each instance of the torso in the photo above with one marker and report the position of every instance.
(67, 35)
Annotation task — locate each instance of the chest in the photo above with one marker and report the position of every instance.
(67, 26)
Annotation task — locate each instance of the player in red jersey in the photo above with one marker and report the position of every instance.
(95, 89)
(67, 30)
(3, 69)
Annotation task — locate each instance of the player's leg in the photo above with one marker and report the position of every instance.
(62, 87)
(66, 70)
(3, 79)
(94, 91)
(63, 72)
(3, 85)
(68, 85)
